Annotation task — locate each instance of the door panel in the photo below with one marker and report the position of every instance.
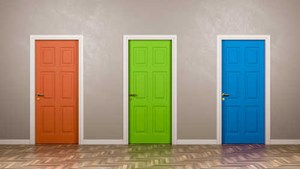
(243, 78)
(150, 79)
(57, 81)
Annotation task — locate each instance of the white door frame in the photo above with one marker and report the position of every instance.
(173, 38)
(33, 38)
(266, 38)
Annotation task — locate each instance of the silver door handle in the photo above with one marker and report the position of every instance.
(225, 95)
(133, 95)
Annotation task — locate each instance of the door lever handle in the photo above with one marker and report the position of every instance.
(40, 94)
(133, 95)
(225, 95)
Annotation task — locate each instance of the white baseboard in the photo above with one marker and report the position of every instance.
(120, 141)
(101, 141)
(196, 141)
(285, 141)
(14, 141)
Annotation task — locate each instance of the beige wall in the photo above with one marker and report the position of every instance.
(103, 24)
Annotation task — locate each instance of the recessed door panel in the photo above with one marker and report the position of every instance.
(47, 55)
(140, 79)
(233, 84)
(159, 117)
(56, 91)
(47, 83)
(243, 89)
(48, 116)
(67, 56)
(68, 119)
(67, 85)
(140, 115)
(159, 85)
(149, 91)
(251, 119)
(233, 55)
(159, 56)
(252, 85)
(232, 119)
(140, 56)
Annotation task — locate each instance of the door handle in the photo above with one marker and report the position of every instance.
(133, 95)
(40, 94)
(225, 95)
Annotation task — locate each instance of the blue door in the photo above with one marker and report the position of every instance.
(243, 91)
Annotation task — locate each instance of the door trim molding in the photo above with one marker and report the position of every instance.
(266, 38)
(33, 38)
(126, 38)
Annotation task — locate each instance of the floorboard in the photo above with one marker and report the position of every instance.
(150, 156)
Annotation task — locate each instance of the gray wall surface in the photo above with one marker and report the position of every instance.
(103, 24)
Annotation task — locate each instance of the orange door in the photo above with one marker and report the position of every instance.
(56, 91)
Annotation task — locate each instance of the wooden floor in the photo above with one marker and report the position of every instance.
(150, 156)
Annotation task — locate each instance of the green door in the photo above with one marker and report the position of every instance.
(150, 91)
